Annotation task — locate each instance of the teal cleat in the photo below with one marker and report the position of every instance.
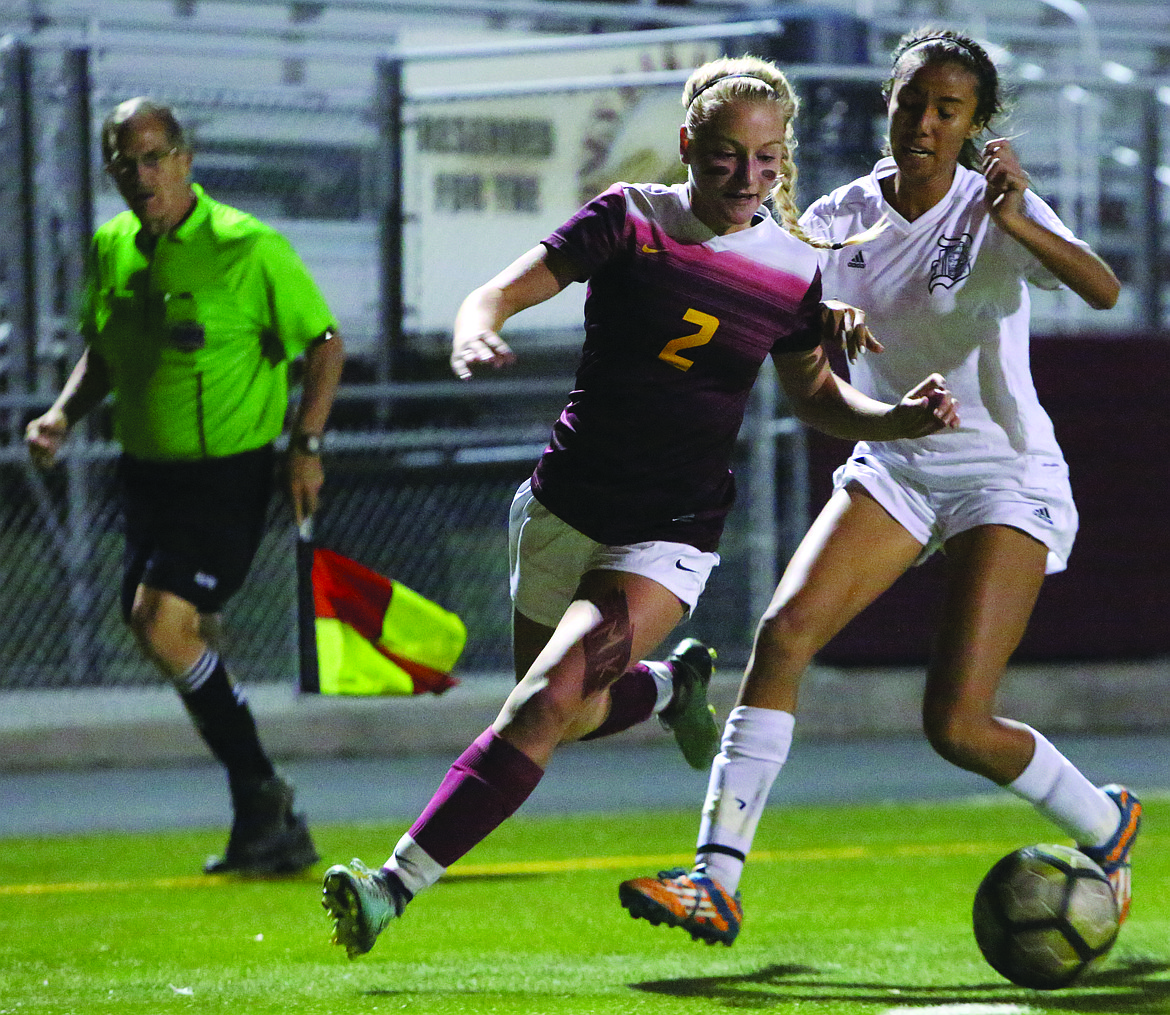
(361, 902)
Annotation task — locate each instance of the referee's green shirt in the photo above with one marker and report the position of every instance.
(198, 333)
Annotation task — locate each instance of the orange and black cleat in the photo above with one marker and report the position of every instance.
(690, 900)
(1113, 857)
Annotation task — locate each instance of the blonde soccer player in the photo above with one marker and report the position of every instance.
(691, 288)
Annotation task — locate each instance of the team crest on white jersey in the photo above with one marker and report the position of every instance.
(953, 264)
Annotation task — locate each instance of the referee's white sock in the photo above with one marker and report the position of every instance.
(754, 748)
(1057, 789)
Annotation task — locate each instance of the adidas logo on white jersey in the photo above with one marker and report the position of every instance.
(857, 260)
(1043, 515)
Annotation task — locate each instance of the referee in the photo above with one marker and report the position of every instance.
(192, 313)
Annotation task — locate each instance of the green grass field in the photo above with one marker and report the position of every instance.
(848, 910)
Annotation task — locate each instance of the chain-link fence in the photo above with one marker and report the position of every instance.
(427, 513)
(407, 164)
(418, 486)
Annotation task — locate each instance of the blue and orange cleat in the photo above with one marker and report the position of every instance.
(1113, 857)
(690, 900)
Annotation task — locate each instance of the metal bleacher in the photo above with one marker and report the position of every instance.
(284, 96)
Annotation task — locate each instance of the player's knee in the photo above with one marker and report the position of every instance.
(956, 736)
(159, 639)
(787, 635)
(552, 705)
(587, 719)
(559, 707)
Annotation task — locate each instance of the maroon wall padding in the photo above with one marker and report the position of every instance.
(1109, 399)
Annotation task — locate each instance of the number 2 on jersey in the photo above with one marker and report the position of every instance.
(707, 325)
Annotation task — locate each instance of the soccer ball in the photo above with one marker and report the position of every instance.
(1043, 915)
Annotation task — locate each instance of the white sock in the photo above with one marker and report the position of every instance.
(663, 682)
(1058, 790)
(415, 869)
(754, 748)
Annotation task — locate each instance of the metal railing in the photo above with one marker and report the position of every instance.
(427, 506)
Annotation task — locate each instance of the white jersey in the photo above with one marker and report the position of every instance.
(947, 292)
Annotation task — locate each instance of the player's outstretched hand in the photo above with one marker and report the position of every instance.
(469, 351)
(926, 408)
(844, 325)
(44, 437)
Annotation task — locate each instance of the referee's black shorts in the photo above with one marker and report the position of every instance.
(193, 528)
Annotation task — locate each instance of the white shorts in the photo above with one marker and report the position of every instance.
(931, 516)
(548, 557)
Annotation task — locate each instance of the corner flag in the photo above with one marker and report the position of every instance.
(364, 634)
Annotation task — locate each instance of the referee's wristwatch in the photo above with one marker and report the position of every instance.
(307, 443)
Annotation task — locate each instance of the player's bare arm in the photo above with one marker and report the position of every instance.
(532, 278)
(827, 403)
(88, 384)
(1079, 269)
(324, 360)
(844, 325)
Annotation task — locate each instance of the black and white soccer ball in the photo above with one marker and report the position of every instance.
(1044, 915)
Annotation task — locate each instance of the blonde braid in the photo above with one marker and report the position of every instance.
(784, 202)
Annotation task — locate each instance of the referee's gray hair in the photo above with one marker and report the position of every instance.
(131, 109)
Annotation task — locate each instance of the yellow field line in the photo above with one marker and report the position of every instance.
(588, 863)
(68, 887)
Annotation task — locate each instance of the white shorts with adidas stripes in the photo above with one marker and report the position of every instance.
(933, 516)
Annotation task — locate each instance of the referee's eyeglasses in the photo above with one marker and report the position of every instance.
(128, 165)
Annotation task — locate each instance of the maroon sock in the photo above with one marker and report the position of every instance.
(481, 790)
(632, 698)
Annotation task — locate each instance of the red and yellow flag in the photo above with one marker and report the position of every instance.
(365, 634)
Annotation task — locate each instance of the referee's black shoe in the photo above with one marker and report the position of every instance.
(267, 837)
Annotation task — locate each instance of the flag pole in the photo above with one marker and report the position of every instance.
(310, 679)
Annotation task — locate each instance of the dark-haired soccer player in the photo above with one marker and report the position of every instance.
(945, 284)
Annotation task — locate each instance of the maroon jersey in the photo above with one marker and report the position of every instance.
(677, 324)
